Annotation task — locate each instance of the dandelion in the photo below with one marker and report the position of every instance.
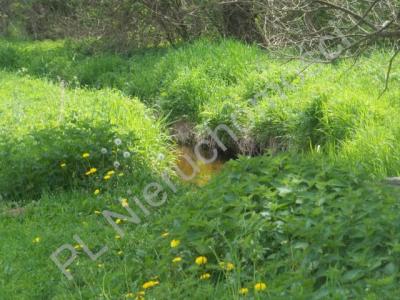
(140, 295)
(165, 234)
(124, 202)
(129, 295)
(100, 265)
(227, 266)
(78, 247)
(118, 221)
(116, 164)
(175, 243)
(121, 174)
(117, 237)
(103, 151)
(160, 156)
(243, 291)
(85, 155)
(97, 212)
(110, 173)
(150, 284)
(177, 259)
(96, 192)
(260, 286)
(91, 171)
(201, 260)
(63, 165)
(36, 240)
(126, 154)
(120, 252)
(107, 177)
(205, 276)
(117, 142)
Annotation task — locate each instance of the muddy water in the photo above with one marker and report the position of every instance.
(206, 170)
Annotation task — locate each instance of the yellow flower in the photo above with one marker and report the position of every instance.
(118, 221)
(150, 284)
(117, 237)
(85, 155)
(165, 234)
(175, 243)
(36, 240)
(110, 173)
(91, 171)
(120, 252)
(177, 259)
(96, 192)
(121, 174)
(205, 276)
(97, 212)
(107, 177)
(201, 260)
(260, 286)
(124, 202)
(243, 291)
(227, 266)
(63, 165)
(140, 295)
(129, 295)
(78, 247)
(100, 265)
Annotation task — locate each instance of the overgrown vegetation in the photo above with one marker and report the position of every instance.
(305, 227)
(92, 124)
(47, 132)
(267, 102)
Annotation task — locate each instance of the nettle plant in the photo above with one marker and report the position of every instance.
(303, 225)
(80, 154)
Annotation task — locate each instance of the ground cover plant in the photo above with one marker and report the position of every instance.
(303, 227)
(302, 211)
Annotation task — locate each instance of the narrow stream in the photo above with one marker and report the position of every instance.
(206, 170)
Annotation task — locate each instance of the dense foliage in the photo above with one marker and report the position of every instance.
(93, 126)
(269, 103)
(46, 130)
(304, 227)
(310, 229)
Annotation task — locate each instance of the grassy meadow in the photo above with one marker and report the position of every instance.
(300, 211)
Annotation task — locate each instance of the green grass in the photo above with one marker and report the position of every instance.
(313, 223)
(306, 228)
(268, 102)
(44, 126)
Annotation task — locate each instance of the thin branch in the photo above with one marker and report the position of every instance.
(389, 70)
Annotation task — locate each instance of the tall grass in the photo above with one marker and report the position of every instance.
(268, 102)
(46, 128)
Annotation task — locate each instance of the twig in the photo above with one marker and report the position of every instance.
(388, 72)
